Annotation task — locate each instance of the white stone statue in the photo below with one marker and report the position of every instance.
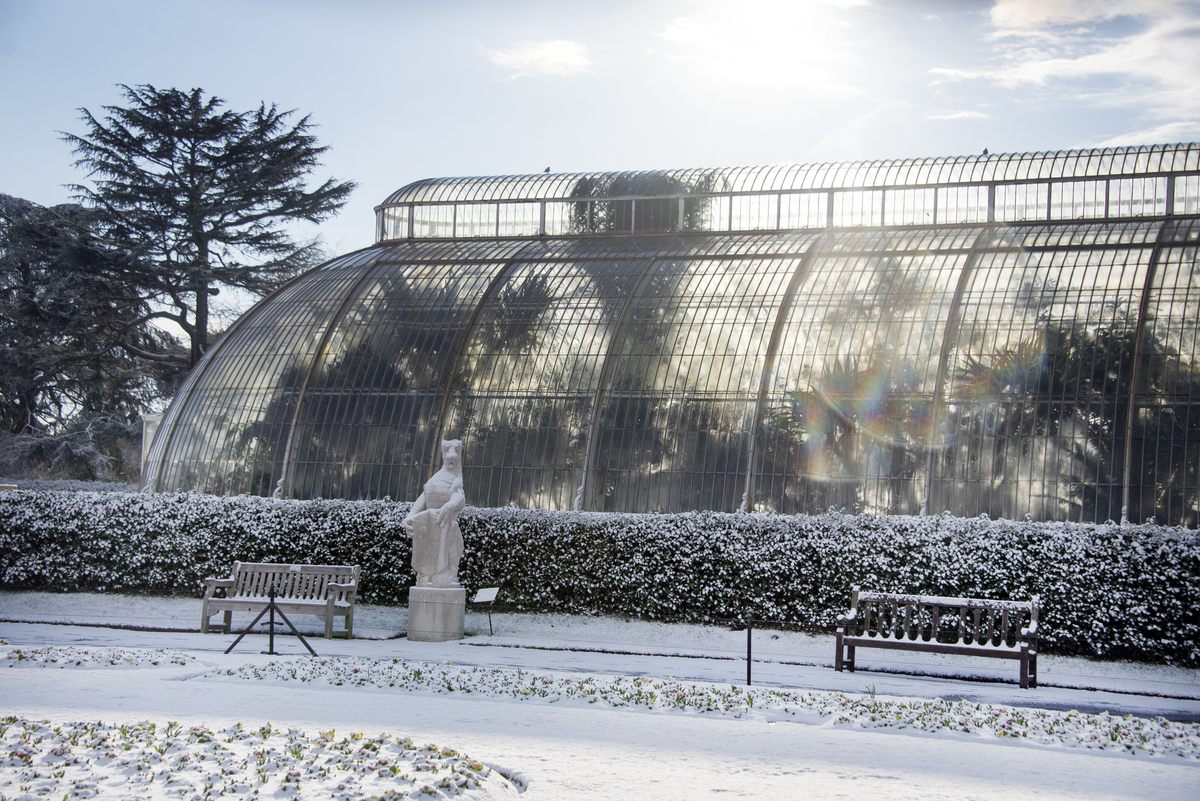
(432, 522)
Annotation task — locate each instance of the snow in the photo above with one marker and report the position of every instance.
(558, 707)
(99, 760)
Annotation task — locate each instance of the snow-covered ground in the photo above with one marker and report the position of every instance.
(557, 707)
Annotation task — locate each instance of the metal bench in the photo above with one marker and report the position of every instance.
(967, 626)
(327, 591)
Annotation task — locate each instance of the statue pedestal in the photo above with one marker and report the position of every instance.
(436, 614)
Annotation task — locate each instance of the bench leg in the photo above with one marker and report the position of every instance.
(837, 653)
(1025, 671)
(850, 658)
(229, 622)
(1033, 671)
(350, 623)
(329, 626)
(204, 620)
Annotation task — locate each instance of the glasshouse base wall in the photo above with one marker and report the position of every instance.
(1107, 590)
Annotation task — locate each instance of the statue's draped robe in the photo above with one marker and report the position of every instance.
(437, 550)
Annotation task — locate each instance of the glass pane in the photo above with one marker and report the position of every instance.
(755, 212)
(475, 219)
(674, 424)
(228, 427)
(807, 210)
(1166, 433)
(706, 214)
(433, 222)
(1137, 197)
(522, 401)
(1077, 200)
(368, 424)
(520, 219)
(395, 223)
(1187, 194)
(562, 219)
(962, 204)
(909, 207)
(857, 209)
(1016, 202)
(1036, 372)
(848, 414)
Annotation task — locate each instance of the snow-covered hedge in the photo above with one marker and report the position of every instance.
(1107, 590)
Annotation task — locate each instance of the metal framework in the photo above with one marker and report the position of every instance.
(1011, 335)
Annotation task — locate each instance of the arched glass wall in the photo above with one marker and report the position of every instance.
(1007, 335)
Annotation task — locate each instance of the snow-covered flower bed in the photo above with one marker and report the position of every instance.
(1133, 735)
(1074, 729)
(1107, 590)
(152, 760)
(64, 656)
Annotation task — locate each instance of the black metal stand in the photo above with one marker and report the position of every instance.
(272, 608)
(749, 636)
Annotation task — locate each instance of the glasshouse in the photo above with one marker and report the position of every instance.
(1016, 335)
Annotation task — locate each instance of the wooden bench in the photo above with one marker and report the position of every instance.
(968, 626)
(327, 591)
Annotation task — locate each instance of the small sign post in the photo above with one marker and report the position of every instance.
(487, 595)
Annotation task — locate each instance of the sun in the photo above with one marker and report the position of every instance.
(767, 43)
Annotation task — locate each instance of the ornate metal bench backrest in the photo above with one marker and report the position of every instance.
(949, 620)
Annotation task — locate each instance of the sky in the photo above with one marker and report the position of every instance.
(405, 90)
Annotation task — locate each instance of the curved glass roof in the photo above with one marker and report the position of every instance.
(1112, 183)
(1084, 163)
(1030, 366)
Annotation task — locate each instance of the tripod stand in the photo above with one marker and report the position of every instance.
(272, 608)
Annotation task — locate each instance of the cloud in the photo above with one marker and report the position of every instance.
(769, 44)
(690, 32)
(562, 57)
(958, 115)
(1141, 55)
(1033, 17)
(1168, 132)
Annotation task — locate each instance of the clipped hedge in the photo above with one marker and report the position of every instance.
(1107, 590)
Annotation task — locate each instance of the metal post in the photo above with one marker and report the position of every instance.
(271, 621)
(749, 638)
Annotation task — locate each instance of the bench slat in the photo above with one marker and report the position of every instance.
(966, 649)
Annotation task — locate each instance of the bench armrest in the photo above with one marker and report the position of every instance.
(335, 588)
(211, 585)
(848, 617)
(1029, 632)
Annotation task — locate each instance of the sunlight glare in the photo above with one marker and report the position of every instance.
(767, 43)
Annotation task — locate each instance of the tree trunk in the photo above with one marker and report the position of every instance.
(200, 334)
(200, 287)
